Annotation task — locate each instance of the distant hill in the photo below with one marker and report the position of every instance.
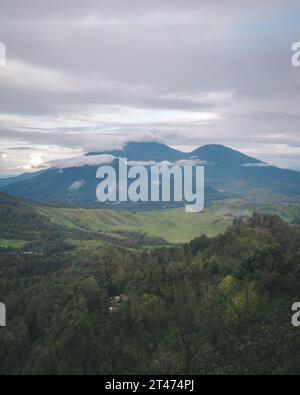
(221, 155)
(229, 173)
(23, 177)
(145, 152)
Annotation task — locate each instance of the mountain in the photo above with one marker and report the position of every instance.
(158, 152)
(144, 152)
(218, 154)
(228, 173)
(23, 177)
(234, 173)
(76, 186)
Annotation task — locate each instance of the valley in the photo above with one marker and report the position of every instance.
(173, 225)
(227, 297)
(155, 227)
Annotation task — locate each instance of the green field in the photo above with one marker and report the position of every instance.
(174, 226)
(10, 243)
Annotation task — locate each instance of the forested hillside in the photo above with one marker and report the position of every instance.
(86, 306)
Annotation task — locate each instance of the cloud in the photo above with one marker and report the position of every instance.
(23, 75)
(88, 75)
(183, 162)
(191, 162)
(141, 163)
(76, 185)
(83, 161)
(36, 162)
(256, 165)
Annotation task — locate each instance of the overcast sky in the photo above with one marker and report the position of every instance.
(91, 74)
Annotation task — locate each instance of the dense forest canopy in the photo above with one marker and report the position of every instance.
(214, 306)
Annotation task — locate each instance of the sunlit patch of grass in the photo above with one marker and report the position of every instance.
(11, 243)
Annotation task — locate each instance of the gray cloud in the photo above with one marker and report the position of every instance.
(82, 161)
(89, 74)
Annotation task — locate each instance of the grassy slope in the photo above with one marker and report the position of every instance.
(175, 226)
(9, 243)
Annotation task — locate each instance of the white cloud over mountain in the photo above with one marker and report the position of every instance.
(83, 161)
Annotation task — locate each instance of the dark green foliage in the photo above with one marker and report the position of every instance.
(215, 306)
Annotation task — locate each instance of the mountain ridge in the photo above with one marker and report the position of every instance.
(145, 151)
(228, 173)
